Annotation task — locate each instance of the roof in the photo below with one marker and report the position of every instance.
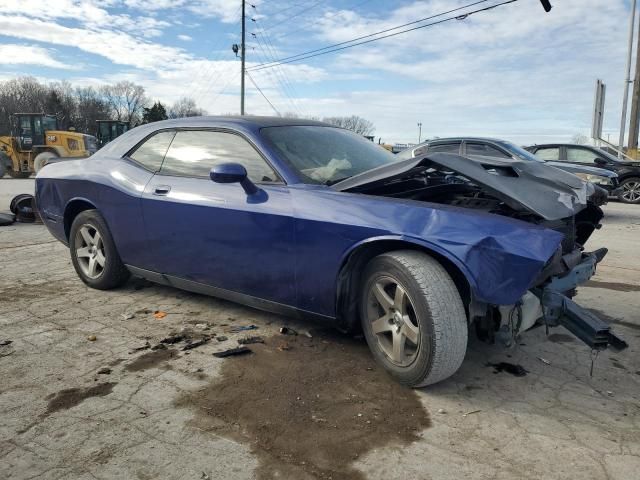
(248, 120)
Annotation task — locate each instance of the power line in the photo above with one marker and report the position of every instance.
(331, 49)
(262, 93)
(295, 14)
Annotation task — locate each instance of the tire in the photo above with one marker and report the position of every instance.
(42, 159)
(15, 174)
(431, 311)
(630, 190)
(103, 274)
(6, 219)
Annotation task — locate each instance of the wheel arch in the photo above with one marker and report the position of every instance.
(354, 261)
(73, 208)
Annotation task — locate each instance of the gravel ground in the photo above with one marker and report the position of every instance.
(307, 406)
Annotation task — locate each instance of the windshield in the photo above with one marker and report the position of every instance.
(520, 152)
(326, 155)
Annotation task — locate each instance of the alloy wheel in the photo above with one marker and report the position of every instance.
(90, 251)
(393, 321)
(631, 191)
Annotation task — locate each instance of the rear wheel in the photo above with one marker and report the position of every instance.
(42, 159)
(413, 317)
(94, 254)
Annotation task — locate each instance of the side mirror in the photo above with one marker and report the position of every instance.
(600, 161)
(233, 173)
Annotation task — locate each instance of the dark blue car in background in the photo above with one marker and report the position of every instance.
(301, 218)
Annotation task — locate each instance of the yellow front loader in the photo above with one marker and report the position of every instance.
(36, 141)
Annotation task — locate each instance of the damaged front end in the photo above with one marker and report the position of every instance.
(528, 191)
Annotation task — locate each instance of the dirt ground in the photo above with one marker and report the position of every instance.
(94, 385)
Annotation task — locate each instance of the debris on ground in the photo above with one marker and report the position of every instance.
(92, 338)
(127, 316)
(23, 206)
(307, 334)
(284, 346)
(159, 314)
(513, 369)
(250, 340)
(202, 326)
(146, 346)
(232, 352)
(442, 411)
(6, 219)
(160, 346)
(471, 413)
(195, 344)
(145, 311)
(173, 339)
(5, 342)
(104, 371)
(544, 360)
(222, 338)
(288, 331)
(243, 328)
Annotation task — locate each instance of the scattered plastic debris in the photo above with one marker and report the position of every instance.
(288, 331)
(243, 328)
(159, 314)
(307, 334)
(201, 326)
(127, 316)
(442, 411)
(104, 371)
(284, 346)
(92, 338)
(544, 360)
(233, 352)
(195, 344)
(5, 342)
(250, 340)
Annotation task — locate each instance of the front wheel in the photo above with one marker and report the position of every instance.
(413, 318)
(43, 159)
(630, 190)
(94, 254)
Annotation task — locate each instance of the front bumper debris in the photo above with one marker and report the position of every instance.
(559, 309)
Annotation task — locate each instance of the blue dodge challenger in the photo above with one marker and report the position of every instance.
(298, 217)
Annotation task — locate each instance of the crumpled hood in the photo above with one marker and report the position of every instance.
(536, 187)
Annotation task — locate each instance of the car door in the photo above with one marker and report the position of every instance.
(215, 234)
(581, 156)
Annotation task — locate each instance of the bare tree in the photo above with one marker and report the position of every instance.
(355, 123)
(126, 100)
(580, 139)
(20, 95)
(91, 106)
(185, 107)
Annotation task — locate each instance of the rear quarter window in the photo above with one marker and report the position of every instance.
(151, 153)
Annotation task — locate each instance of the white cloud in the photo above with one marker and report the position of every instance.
(12, 54)
(185, 38)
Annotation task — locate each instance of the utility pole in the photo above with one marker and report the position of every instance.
(242, 51)
(634, 122)
(419, 131)
(625, 97)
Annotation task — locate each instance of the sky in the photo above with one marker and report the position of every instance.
(513, 72)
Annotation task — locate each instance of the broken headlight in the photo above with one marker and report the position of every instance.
(597, 179)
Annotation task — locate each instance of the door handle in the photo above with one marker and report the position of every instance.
(161, 189)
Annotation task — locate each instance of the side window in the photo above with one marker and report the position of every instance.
(549, 153)
(485, 150)
(444, 148)
(580, 155)
(151, 153)
(194, 153)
